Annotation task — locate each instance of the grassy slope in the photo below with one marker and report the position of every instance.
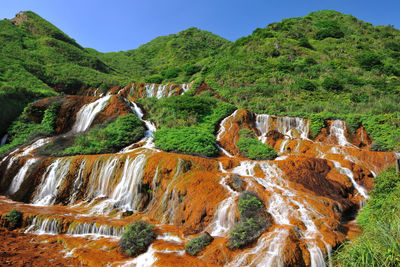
(35, 58)
(173, 53)
(379, 244)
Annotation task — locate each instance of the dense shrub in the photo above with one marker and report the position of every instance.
(188, 140)
(192, 69)
(369, 60)
(13, 219)
(154, 79)
(305, 43)
(252, 148)
(137, 238)
(332, 84)
(197, 244)
(124, 131)
(306, 85)
(328, 29)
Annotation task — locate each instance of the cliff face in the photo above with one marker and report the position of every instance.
(309, 191)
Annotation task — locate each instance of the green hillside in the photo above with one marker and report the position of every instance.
(321, 66)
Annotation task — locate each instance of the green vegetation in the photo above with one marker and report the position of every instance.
(13, 219)
(187, 123)
(379, 242)
(253, 221)
(323, 65)
(25, 130)
(197, 244)
(124, 131)
(252, 148)
(137, 238)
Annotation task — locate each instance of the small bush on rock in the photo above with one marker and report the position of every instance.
(137, 238)
(253, 221)
(197, 244)
(13, 219)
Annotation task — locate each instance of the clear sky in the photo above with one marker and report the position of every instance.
(116, 25)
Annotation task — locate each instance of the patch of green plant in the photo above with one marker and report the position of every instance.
(253, 221)
(24, 130)
(188, 140)
(252, 148)
(378, 245)
(124, 131)
(197, 244)
(13, 219)
(137, 238)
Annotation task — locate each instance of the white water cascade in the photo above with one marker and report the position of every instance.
(284, 203)
(87, 114)
(290, 127)
(337, 130)
(41, 226)
(95, 230)
(19, 178)
(222, 130)
(346, 171)
(224, 216)
(46, 192)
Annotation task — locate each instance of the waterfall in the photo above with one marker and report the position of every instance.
(101, 175)
(337, 130)
(19, 178)
(224, 216)
(346, 171)
(263, 122)
(283, 204)
(44, 226)
(126, 194)
(161, 91)
(87, 114)
(3, 140)
(290, 127)
(222, 128)
(94, 229)
(78, 182)
(46, 192)
(149, 90)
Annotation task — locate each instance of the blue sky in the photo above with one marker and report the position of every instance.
(126, 24)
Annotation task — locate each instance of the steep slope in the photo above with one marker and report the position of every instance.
(325, 61)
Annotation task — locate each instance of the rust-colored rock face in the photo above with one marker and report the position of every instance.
(310, 191)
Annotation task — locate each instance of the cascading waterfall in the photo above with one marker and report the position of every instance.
(346, 171)
(94, 229)
(149, 90)
(44, 226)
(337, 130)
(46, 192)
(290, 127)
(151, 128)
(87, 114)
(126, 193)
(222, 130)
(78, 182)
(161, 91)
(19, 178)
(224, 217)
(283, 204)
